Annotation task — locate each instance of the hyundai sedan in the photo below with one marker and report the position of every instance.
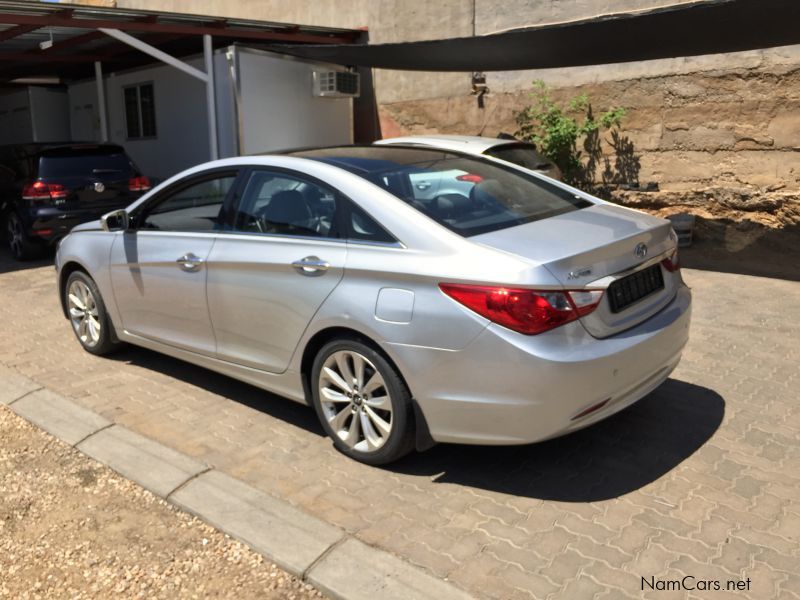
(511, 311)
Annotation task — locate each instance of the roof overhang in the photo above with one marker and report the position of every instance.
(27, 28)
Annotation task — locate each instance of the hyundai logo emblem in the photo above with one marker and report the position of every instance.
(99, 187)
(640, 250)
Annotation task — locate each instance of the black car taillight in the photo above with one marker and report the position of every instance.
(39, 190)
(139, 184)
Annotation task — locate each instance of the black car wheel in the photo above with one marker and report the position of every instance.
(21, 246)
(87, 314)
(362, 402)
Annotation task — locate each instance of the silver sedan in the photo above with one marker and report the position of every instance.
(507, 310)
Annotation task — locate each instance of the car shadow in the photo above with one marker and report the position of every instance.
(8, 264)
(614, 457)
(270, 404)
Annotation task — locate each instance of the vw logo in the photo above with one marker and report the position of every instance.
(99, 187)
(640, 250)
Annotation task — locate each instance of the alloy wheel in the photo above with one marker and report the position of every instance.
(83, 313)
(15, 235)
(355, 401)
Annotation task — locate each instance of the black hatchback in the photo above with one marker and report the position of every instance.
(47, 189)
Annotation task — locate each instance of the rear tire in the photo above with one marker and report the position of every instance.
(88, 316)
(362, 402)
(20, 245)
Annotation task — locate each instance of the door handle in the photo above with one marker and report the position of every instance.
(423, 185)
(190, 262)
(311, 265)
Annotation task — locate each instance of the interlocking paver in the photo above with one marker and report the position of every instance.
(702, 477)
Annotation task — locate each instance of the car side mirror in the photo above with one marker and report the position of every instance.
(117, 220)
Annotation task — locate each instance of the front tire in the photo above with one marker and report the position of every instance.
(88, 315)
(362, 402)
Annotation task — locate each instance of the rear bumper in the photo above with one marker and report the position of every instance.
(508, 388)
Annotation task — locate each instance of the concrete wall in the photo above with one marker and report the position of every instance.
(414, 20)
(729, 119)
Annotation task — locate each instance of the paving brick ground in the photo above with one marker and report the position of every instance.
(700, 479)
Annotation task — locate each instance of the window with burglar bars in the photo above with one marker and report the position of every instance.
(140, 111)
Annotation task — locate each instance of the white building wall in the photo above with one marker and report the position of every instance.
(84, 120)
(181, 139)
(49, 114)
(15, 118)
(278, 110)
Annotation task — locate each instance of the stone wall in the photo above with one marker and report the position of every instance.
(729, 120)
(732, 127)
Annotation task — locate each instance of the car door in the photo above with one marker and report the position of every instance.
(273, 267)
(158, 269)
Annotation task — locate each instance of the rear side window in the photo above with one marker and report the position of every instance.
(360, 227)
(85, 164)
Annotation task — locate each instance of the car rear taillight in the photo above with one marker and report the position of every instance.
(525, 311)
(39, 190)
(139, 184)
(671, 263)
(471, 177)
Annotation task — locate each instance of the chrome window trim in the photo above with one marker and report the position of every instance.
(305, 238)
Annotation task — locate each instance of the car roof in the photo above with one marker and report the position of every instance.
(376, 158)
(472, 144)
(33, 148)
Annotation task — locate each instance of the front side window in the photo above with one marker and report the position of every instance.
(197, 207)
(140, 111)
(467, 195)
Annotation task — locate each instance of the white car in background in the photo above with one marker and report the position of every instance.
(522, 154)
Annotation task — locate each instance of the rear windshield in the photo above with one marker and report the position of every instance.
(93, 163)
(467, 195)
(524, 155)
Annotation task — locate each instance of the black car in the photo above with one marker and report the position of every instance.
(47, 189)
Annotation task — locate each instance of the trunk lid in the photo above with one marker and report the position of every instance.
(96, 177)
(591, 249)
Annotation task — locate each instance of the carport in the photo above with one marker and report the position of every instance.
(48, 44)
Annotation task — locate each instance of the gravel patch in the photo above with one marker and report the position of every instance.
(72, 528)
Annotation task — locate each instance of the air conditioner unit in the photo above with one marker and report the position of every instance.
(336, 84)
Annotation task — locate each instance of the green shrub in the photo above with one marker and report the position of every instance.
(556, 129)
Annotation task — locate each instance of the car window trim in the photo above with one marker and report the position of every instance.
(305, 238)
(244, 177)
(179, 186)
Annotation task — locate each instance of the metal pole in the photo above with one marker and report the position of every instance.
(126, 38)
(211, 105)
(101, 100)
